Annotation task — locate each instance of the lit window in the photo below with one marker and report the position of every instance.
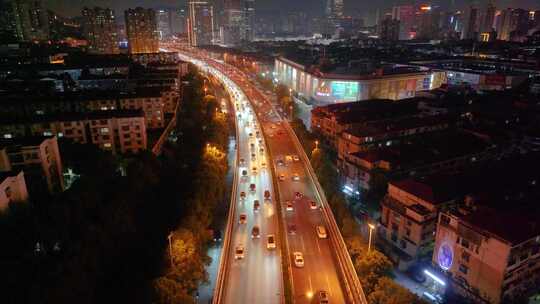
(104, 130)
(8, 136)
(47, 133)
(60, 134)
(107, 145)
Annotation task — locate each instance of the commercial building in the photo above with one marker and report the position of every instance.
(99, 28)
(12, 188)
(38, 156)
(481, 74)
(353, 82)
(141, 29)
(200, 23)
(389, 29)
(164, 23)
(405, 15)
(118, 131)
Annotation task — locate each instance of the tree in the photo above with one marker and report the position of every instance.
(371, 266)
(389, 292)
(168, 291)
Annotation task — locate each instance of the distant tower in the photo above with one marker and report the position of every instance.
(200, 23)
(100, 30)
(141, 30)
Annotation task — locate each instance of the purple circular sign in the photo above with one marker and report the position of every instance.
(445, 256)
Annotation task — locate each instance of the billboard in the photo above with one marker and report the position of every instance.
(345, 90)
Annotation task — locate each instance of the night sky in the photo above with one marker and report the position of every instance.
(72, 8)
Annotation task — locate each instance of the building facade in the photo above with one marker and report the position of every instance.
(38, 156)
(12, 188)
(327, 88)
(99, 28)
(200, 23)
(141, 30)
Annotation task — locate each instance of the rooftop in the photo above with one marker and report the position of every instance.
(398, 124)
(77, 116)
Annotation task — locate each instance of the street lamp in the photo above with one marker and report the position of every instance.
(169, 237)
(371, 227)
(316, 144)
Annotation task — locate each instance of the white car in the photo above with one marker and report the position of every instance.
(296, 177)
(271, 241)
(296, 158)
(289, 206)
(321, 232)
(239, 252)
(312, 205)
(298, 259)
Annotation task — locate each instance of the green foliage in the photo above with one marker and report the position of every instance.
(389, 292)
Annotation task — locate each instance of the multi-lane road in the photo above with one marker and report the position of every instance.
(257, 277)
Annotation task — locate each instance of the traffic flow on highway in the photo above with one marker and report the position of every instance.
(274, 172)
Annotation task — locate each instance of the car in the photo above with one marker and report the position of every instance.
(267, 194)
(263, 164)
(261, 150)
(258, 134)
(288, 158)
(298, 259)
(282, 177)
(252, 187)
(273, 127)
(242, 195)
(296, 158)
(255, 232)
(217, 235)
(291, 228)
(253, 156)
(250, 134)
(321, 232)
(252, 146)
(417, 274)
(271, 241)
(280, 162)
(239, 252)
(242, 161)
(242, 219)
(295, 177)
(244, 172)
(254, 170)
(298, 195)
(323, 297)
(289, 206)
(312, 205)
(256, 206)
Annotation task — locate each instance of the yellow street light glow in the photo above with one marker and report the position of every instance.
(309, 294)
(371, 226)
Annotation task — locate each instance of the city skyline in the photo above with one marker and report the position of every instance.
(67, 8)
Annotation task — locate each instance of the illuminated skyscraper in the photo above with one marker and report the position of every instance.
(99, 28)
(200, 23)
(141, 30)
(163, 19)
(405, 15)
(29, 20)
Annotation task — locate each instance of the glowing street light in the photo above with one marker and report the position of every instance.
(169, 237)
(371, 227)
(316, 144)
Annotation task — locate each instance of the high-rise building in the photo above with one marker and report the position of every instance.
(248, 14)
(179, 21)
(334, 8)
(29, 20)
(141, 30)
(100, 30)
(163, 19)
(488, 18)
(389, 29)
(405, 15)
(471, 26)
(200, 23)
(505, 24)
(232, 22)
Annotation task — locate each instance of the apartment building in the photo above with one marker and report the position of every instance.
(331, 120)
(409, 216)
(118, 131)
(38, 156)
(428, 154)
(152, 101)
(12, 188)
(489, 249)
(388, 132)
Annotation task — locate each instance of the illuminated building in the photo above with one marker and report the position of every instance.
(29, 20)
(200, 23)
(99, 28)
(163, 18)
(141, 29)
(405, 15)
(344, 85)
